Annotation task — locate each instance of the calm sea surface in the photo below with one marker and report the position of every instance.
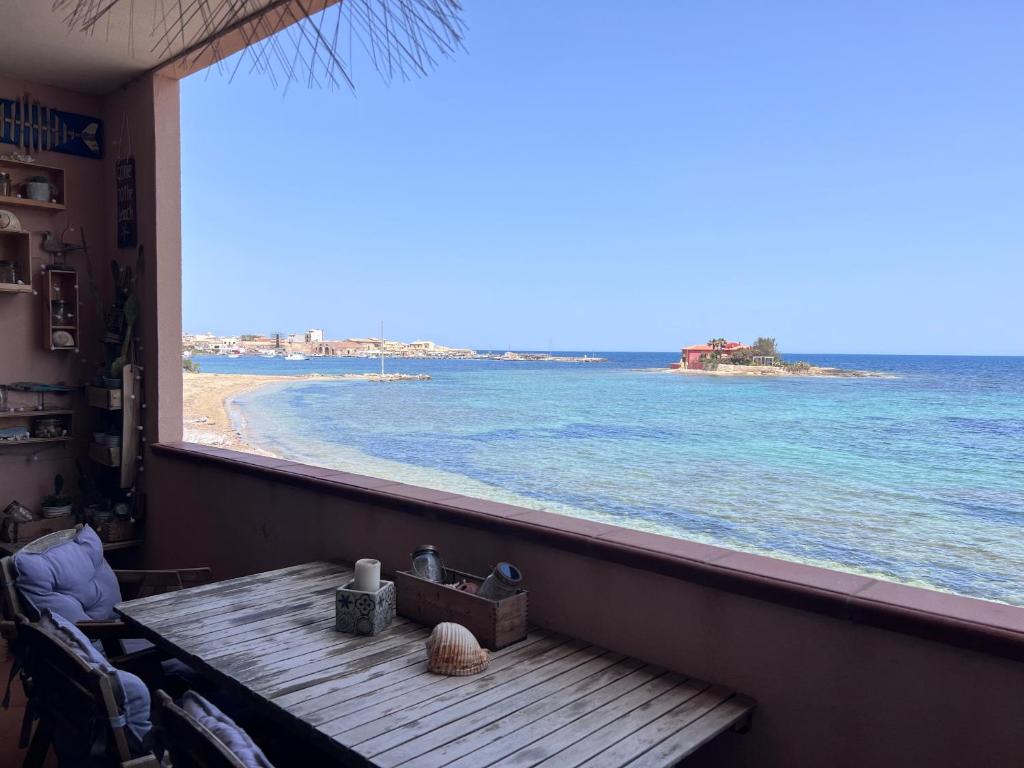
(917, 478)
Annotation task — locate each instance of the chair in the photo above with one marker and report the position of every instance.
(104, 586)
(192, 744)
(89, 712)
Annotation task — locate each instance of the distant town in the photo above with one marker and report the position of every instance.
(312, 343)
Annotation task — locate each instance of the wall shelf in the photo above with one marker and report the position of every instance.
(16, 247)
(34, 413)
(60, 286)
(34, 441)
(24, 202)
(21, 172)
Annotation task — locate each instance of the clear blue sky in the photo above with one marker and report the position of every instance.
(597, 175)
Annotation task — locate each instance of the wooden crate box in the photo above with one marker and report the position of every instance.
(17, 532)
(495, 623)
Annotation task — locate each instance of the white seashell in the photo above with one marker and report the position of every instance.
(452, 650)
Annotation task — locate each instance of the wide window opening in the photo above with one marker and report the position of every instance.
(739, 278)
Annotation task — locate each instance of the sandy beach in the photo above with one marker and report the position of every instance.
(208, 396)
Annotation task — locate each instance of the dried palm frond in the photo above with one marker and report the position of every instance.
(286, 40)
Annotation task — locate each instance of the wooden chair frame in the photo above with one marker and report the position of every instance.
(190, 743)
(133, 583)
(72, 697)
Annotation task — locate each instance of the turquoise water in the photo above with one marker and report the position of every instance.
(917, 478)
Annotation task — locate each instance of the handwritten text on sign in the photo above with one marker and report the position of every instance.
(127, 223)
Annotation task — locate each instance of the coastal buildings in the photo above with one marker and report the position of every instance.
(692, 357)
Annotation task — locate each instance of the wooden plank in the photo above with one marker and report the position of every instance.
(652, 734)
(429, 692)
(129, 425)
(690, 738)
(314, 698)
(219, 587)
(219, 595)
(495, 695)
(329, 657)
(316, 637)
(510, 734)
(474, 715)
(153, 607)
(310, 615)
(319, 597)
(607, 725)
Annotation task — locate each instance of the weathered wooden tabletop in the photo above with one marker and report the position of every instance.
(548, 700)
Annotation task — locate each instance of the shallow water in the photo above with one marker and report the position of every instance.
(917, 478)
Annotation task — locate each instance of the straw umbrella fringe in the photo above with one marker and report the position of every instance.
(288, 41)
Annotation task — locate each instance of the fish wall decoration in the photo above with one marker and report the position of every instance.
(31, 127)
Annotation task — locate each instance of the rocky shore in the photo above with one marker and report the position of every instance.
(725, 369)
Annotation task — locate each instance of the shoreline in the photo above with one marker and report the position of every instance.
(209, 414)
(750, 371)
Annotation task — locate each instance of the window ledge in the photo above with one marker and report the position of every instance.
(978, 625)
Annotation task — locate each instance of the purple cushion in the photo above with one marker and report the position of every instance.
(71, 579)
(136, 704)
(225, 729)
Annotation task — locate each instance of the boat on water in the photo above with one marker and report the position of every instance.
(234, 355)
(295, 356)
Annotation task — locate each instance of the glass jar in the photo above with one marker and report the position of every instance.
(61, 312)
(427, 563)
(5, 184)
(7, 274)
(503, 582)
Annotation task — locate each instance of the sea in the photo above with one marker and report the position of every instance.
(916, 476)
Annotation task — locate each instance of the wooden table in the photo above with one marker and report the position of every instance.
(548, 700)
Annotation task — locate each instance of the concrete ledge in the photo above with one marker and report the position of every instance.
(978, 625)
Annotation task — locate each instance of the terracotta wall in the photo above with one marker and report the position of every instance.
(833, 690)
(26, 473)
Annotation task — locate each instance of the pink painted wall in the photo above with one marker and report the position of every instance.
(145, 110)
(27, 473)
(149, 110)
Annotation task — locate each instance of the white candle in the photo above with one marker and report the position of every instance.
(367, 575)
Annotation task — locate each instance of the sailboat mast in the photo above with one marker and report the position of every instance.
(382, 348)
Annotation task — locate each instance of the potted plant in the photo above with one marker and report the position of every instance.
(39, 188)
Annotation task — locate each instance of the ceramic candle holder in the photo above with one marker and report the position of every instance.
(364, 613)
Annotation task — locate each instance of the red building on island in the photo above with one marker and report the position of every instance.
(690, 357)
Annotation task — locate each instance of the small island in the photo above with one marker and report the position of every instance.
(720, 357)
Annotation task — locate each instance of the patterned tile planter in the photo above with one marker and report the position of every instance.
(364, 613)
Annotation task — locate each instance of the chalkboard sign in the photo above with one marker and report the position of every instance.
(127, 223)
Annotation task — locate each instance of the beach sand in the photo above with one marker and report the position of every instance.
(207, 403)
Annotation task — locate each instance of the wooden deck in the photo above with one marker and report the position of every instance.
(549, 700)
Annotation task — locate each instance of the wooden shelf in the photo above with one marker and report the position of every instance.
(62, 283)
(24, 202)
(20, 172)
(34, 414)
(16, 247)
(34, 441)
